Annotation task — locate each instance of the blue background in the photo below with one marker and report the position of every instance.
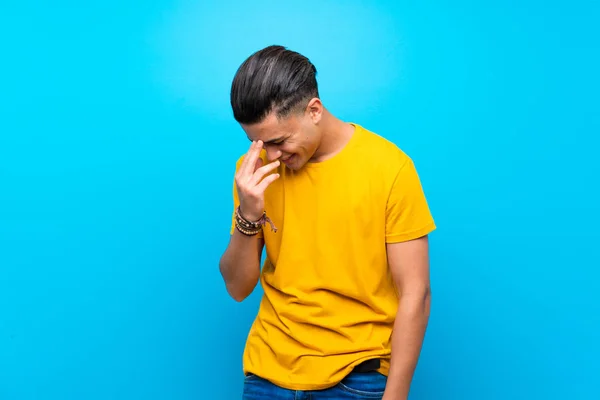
(117, 151)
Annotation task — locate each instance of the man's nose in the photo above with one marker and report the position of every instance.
(272, 153)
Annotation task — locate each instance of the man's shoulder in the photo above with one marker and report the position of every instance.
(381, 150)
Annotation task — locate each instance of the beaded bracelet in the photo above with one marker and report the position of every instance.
(251, 228)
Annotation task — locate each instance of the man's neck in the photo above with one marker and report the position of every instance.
(334, 137)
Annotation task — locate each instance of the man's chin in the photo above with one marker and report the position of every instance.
(290, 161)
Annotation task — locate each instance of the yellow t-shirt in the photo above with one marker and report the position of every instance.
(329, 300)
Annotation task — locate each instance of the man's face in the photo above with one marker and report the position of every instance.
(292, 140)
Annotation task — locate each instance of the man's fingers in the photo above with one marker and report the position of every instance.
(262, 171)
(253, 156)
(249, 162)
(259, 163)
(262, 186)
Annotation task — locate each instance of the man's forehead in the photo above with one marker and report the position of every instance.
(269, 129)
(266, 138)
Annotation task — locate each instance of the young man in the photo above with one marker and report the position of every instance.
(345, 222)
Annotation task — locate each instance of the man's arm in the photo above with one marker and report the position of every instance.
(240, 264)
(409, 264)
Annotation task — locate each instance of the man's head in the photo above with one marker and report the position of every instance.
(275, 98)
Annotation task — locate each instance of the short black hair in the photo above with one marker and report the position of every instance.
(272, 79)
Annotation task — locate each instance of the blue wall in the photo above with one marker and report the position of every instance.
(117, 150)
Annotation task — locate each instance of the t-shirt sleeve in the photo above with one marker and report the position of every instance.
(236, 201)
(407, 213)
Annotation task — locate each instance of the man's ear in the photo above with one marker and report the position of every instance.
(314, 109)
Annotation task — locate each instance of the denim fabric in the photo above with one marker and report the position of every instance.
(356, 386)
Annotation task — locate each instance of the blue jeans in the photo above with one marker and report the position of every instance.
(356, 386)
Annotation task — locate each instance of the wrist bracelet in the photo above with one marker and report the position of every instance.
(251, 228)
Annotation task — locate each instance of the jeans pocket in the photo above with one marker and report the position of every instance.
(369, 385)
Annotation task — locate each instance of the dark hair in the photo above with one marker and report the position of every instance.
(272, 79)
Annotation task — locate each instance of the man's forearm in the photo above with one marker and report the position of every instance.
(407, 339)
(240, 264)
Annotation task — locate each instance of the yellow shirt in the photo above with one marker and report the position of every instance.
(329, 300)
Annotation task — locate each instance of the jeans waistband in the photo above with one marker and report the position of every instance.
(368, 365)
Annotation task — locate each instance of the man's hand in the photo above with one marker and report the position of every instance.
(250, 183)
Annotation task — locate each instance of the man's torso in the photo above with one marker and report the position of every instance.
(329, 301)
